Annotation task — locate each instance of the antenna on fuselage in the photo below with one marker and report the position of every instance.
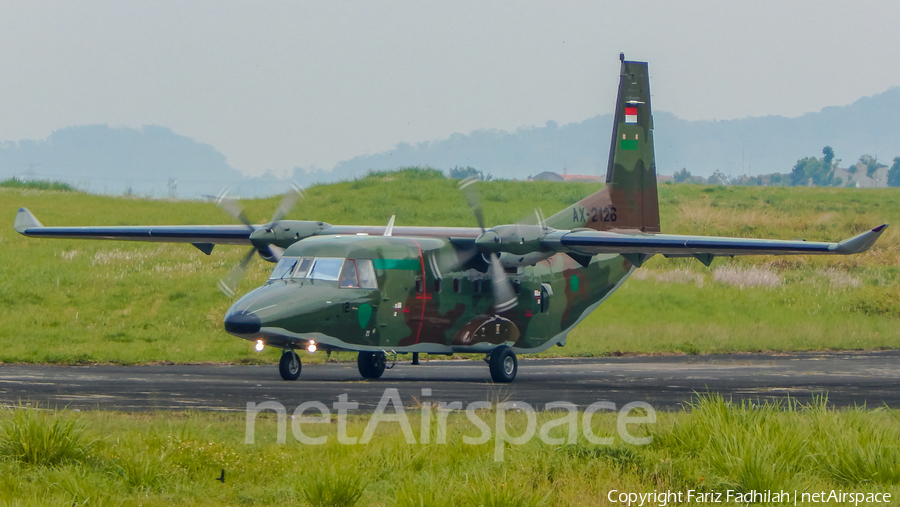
(390, 226)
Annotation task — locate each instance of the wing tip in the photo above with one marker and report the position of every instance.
(860, 243)
(25, 220)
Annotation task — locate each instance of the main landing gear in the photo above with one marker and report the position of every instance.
(371, 364)
(503, 365)
(289, 366)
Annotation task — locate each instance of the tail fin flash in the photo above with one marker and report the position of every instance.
(629, 200)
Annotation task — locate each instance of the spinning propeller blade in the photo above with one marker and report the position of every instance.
(233, 208)
(287, 202)
(233, 278)
(474, 198)
(503, 291)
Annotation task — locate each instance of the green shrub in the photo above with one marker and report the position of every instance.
(142, 469)
(491, 494)
(334, 488)
(37, 185)
(877, 301)
(39, 438)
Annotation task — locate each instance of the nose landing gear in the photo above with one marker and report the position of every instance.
(289, 366)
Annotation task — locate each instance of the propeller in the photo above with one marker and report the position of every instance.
(233, 278)
(503, 291)
(290, 198)
(231, 206)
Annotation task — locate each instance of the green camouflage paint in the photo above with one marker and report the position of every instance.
(426, 310)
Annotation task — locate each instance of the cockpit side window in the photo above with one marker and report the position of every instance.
(284, 268)
(349, 279)
(366, 272)
(326, 268)
(358, 273)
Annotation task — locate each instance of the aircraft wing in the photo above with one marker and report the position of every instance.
(27, 225)
(598, 242)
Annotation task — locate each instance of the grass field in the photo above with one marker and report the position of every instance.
(67, 301)
(105, 458)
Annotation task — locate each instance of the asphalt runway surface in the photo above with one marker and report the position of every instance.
(666, 382)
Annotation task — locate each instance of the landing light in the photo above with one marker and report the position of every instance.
(260, 345)
(311, 347)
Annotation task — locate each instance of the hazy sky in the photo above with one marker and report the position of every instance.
(276, 85)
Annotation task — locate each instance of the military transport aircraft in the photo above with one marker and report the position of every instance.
(503, 290)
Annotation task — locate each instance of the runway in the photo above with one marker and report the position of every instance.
(666, 382)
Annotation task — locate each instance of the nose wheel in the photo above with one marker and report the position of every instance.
(503, 365)
(289, 366)
(372, 364)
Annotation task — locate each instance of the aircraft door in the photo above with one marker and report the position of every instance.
(402, 294)
(419, 295)
(546, 294)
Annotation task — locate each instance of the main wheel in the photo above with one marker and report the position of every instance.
(371, 364)
(503, 365)
(289, 366)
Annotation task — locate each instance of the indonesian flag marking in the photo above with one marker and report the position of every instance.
(630, 114)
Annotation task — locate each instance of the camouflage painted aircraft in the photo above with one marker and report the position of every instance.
(500, 291)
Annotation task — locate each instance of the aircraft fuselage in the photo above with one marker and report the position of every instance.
(415, 303)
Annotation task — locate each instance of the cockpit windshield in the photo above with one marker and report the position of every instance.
(350, 273)
(284, 268)
(326, 268)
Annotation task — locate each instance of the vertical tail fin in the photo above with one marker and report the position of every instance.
(629, 200)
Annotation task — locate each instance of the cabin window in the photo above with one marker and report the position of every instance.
(457, 285)
(284, 268)
(302, 267)
(326, 268)
(476, 286)
(419, 284)
(349, 277)
(437, 284)
(366, 272)
(517, 286)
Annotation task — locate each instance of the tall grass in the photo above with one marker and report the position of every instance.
(782, 445)
(330, 487)
(40, 438)
(175, 458)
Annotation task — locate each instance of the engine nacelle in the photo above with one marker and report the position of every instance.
(266, 255)
(283, 234)
(509, 260)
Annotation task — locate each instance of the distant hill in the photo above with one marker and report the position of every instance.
(751, 146)
(104, 159)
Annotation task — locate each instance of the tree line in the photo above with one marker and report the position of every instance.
(808, 171)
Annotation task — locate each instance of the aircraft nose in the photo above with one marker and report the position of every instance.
(242, 323)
